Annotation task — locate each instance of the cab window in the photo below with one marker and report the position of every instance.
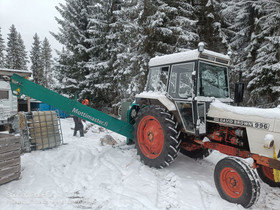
(157, 79)
(180, 84)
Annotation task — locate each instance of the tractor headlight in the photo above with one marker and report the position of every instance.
(268, 141)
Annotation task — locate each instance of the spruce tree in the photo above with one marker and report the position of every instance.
(60, 70)
(264, 74)
(169, 26)
(2, 48)
(74, 35)
(47, 64)
(16, 55)
(125, 40)
(182, 22)
(143, 29)
(244, 41)
(22, 55)
(12, 50)
(210, 24)
(254, 41)
(97, 84)
(36, 61)
(240, 18)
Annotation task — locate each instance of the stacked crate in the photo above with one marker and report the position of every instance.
(9, 158)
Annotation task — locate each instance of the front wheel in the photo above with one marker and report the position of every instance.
(156, 137)
(236, 182)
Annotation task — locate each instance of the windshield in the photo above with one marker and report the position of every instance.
(157, 79)
(213, 81)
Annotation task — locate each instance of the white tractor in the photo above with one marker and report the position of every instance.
(187, 107)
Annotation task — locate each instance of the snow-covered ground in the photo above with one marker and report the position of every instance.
(83, 174)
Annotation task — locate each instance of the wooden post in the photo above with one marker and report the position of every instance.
(28, 105)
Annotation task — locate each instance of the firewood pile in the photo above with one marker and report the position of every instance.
(9, 158)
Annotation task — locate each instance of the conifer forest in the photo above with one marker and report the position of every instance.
(107, 45)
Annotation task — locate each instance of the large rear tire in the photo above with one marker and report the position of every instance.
(266, 175)
(156, 137)
(236, 181)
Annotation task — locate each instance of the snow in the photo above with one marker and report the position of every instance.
(264, 113)
(183, 57)
(268, 140)
(161, 96)
(82, 174)
(10, 72)
(269, 137)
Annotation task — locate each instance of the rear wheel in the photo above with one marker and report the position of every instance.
(267, 176)
(236, 182)
(156, 137)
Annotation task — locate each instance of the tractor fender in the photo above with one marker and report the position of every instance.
(159, 96)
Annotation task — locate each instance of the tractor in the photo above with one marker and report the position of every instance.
(186, 107)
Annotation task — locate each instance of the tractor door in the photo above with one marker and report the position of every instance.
(181, 87)
(192, 121)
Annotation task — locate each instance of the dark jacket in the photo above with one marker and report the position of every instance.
(78, 123)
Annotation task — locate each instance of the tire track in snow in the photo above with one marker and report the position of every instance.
(269, 197)
(207, 193)
(167, 192)
(109, 175)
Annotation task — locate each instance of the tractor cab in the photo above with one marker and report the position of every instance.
(190, 74)
(190, 80)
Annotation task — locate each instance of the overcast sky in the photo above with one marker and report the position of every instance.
(30, 17)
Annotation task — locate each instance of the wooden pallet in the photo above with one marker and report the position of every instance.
(9, 158)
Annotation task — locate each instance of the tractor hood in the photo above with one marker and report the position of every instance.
(267, 119)
(259, 123)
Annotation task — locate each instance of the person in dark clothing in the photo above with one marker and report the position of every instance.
(78, 126)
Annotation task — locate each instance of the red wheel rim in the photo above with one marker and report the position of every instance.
(231, 182)
(150, 137)
(268, 172)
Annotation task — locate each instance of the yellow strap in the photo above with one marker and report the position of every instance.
(276, 172)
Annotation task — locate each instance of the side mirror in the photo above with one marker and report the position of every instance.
(238, 92)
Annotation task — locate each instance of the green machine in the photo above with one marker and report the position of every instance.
(21, 86)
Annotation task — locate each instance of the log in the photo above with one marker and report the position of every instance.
(7, 179)
(9, 163)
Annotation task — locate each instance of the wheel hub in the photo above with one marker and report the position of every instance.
(231, 182)
(150, 136)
